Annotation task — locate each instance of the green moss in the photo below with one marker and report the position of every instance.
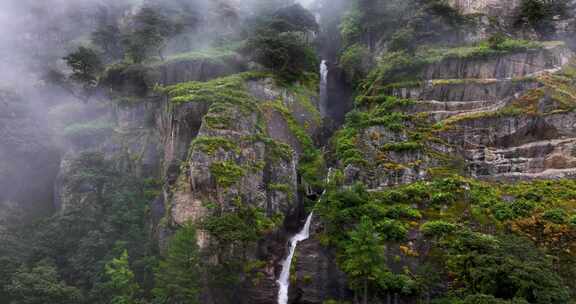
(398, 67)
(227, 90)
(346, 146)
(226, 173)
(403, 146)
(213, 55)
(304, 94)
(211, 145)
(311, 165)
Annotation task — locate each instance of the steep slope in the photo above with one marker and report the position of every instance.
(445, 157)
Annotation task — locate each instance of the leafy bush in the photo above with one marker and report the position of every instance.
(178, 272)
(540, 14)
(556, 216)
(355, 61)
(403, 40)
(437, 228)
(281, 42)
(226, 173)
(351, 26)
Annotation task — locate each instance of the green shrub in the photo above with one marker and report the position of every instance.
(226, 173)
(287, 54)
(437, 228)
(355, 61)
(351, 26)
(573, 220)
(403, 40)
(211, 145)
(556, 216)
(539, 14)
(392, 230)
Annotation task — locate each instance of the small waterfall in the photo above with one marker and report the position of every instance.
(304, 234)
(323, 88)
(284, 280)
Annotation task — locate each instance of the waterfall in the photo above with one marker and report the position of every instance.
(304, 234)
(284, 280)
(323, 88)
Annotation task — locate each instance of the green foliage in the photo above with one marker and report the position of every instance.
(41, 284)
(242, 226)
(437, 228)
(362, 258)
(122, 282)
(351, 26)
(294, 18)
(346, 145)
(149, 34)
(505, 267)
(281, 43)
(573, 220)
(211, 145)
(401, 66)
(225, 90)
(355, 61)
(403, 40)
(86, 65)
(311, 164)
(105, 210)
(216, 55)
(8, 267)
(402, 146)
(381, 111)
(287, 54)
(540, 14)
(498, 268)
(178, 274)
(556, 216)
(226, 173)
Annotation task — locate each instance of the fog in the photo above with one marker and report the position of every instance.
(35, 35)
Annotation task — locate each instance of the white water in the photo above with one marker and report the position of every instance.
(284, 280)
(304, 234)
(323, 87)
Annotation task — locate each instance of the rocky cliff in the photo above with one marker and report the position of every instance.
(444, 160)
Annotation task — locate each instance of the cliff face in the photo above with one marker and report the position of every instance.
(236, 154)
(503, 116)
(247, 153)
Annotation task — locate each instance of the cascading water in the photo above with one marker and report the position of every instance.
(323, 88)
(304, 234)
(284, 280)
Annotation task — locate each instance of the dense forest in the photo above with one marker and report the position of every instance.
(288, 151)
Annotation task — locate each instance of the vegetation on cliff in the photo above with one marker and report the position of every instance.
(184, 174)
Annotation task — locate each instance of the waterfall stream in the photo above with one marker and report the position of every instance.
(304, 234)
(284, 280)
(323, 88)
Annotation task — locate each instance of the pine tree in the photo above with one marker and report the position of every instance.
(177, 276)
(122, 280)
(363, 258)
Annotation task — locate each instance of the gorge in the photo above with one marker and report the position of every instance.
(275, 152)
